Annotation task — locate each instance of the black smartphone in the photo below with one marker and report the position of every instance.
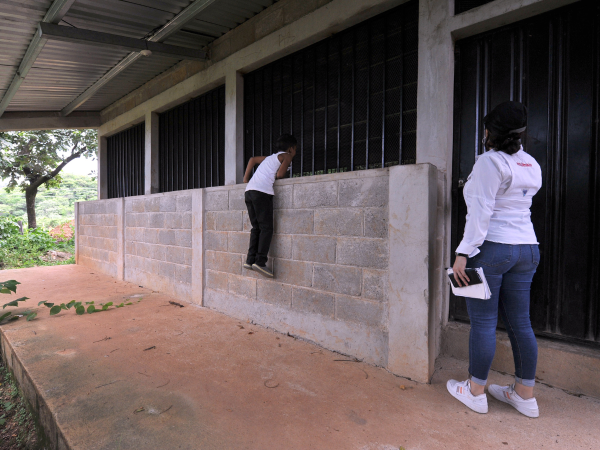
(473, 275)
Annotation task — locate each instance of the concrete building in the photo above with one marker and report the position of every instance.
(386, 98)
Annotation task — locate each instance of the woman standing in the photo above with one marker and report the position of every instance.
(499, 238)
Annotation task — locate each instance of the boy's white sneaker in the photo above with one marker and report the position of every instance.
(508, 395)
(461, 391)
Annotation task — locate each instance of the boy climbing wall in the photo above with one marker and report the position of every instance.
(259, 200)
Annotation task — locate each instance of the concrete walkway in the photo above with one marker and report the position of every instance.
(158, 376)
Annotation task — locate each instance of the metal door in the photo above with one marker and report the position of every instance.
(552, 64)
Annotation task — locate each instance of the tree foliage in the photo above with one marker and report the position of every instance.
(29, 159)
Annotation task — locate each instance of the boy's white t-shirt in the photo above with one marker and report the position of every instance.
(264, 176)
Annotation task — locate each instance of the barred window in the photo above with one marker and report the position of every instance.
(125, 162)
(350, 100)
(191, 150)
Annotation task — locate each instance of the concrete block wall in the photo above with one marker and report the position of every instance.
(350, 254)
(99, 225)
(329, 254)
(158, 242)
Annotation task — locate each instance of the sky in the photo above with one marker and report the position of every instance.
(81, 166)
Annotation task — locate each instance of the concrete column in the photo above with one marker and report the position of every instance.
(102, 169)
(234, 127)
(198, 246)
(76, 227)
(435, 111)
(151, 154)
(412, 220)
(120, 213)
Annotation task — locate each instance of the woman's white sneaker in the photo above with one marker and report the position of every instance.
(508, 395)
(461, 391)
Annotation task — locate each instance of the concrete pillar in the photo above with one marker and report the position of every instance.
(120, 213)
(412, 219)
(76, 232)
(435, 136)
(102, 169)
(198, 246)
(151, 154)
(234, 127)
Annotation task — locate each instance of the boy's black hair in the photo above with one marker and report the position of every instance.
(284, 142)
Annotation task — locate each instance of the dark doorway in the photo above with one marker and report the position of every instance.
(552, 64)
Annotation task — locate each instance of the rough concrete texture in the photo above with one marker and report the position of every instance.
(560, 365)
(321, 255)
(158, 242)
(99, 235)
(213, 382)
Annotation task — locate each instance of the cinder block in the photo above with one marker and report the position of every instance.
(172, 220)
(142, 249)
(152, 204)
(142, 220)
(289, 221)
(376, 222)
(368, 191)
(283, 196)
(156, 220)
(216, 201)
(168, 203)
(130, 220)
(339, 222)
(313, 195)
(151, 235)
(223, 262)
(298, 273)
(314, 248)
(246, 224)
(184, 203)
(374, 283)
(152, 266)
(215, 240)
(273, 292)
(166, 270)
(166, 237)
(216, 280)
(186, 220)
(353, 309)
(175, 254)
(237, 200)
(183, 274)
(210, 220)
(241, 285)
(281, 246)
(338, 279)
(314, 302)
(229, 221)
(362, 252)
(238, 242)
(157, 252)
(183, 238)
(129, 248)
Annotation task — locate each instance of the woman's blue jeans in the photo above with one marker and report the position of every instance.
(509, 270)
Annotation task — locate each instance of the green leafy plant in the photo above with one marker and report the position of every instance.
(10, 287)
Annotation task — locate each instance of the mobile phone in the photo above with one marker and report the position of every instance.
(473, 275)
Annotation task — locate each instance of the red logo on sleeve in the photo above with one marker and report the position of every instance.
(524, 164)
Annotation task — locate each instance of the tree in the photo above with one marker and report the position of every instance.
(29, 159)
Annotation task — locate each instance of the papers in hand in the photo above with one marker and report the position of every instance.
(481, 290)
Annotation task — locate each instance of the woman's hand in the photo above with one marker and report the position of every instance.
(460, 264)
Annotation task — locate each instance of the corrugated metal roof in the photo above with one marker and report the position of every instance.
(63, 70)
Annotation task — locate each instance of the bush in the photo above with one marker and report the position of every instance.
(24, 250)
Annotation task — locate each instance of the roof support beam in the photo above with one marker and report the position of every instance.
(174, 25)
(55, 13)
(69, 34)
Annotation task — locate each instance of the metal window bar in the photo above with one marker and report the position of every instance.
(351, 129)
(125, 162)
(191, 149)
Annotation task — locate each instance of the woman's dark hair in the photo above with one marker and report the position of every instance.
(506, 125)
(284, 142)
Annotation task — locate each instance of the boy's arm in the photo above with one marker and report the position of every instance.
(253, 161)
(285, 164)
